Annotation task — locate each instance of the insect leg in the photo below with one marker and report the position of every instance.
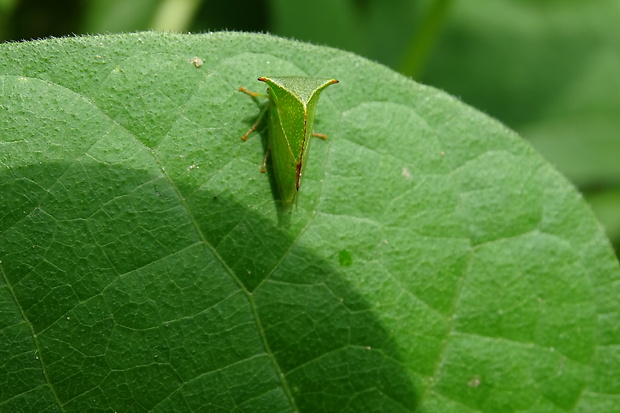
(320, 135)
(263, 169)
(261, 115)
(252, 129)
(253, 94)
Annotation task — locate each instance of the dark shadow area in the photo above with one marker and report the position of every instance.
(228, 16)
(132, 312)
(36, 19)
(262, 133)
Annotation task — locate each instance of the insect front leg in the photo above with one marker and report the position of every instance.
(261, 115)
(253, 94)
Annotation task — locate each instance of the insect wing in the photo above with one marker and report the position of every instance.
(285, 143)
(291, 115)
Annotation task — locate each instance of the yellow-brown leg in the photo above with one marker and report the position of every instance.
(252, 129)
(253, 94)
(320, 135)
(263, 169)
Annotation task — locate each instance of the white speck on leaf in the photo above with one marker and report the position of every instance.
(474, 382)
(196, 61)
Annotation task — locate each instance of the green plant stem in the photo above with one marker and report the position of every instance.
(175, 15)
(424, 39)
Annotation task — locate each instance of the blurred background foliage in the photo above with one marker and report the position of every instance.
(549, 69)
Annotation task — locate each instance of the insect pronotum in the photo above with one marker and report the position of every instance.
(290, 115)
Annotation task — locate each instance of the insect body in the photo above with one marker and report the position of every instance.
(290, 115)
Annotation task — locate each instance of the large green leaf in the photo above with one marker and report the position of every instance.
(434, 262)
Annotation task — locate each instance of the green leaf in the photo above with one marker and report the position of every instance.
(379, 30)
(434, 262)
(548, 69)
